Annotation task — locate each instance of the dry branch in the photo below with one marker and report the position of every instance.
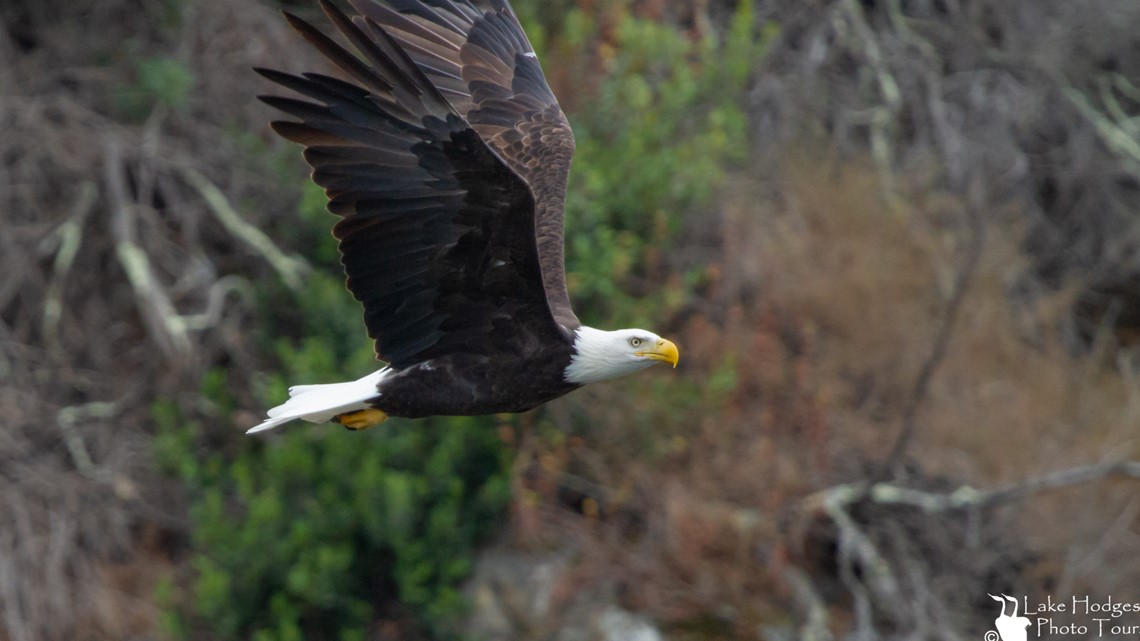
(292, 269)
(877, 561)
(1118, 132)
(154, 305)
(966, 497)
(68, 237)
(69, 420)
(941, 343)
(812, 607)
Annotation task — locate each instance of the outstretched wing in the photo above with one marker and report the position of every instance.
(437, 232)
(476, 54)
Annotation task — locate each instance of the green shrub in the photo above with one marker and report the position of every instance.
(301, 537)
(652, 147)
(157, 81)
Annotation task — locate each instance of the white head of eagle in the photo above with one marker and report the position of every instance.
(601, 355)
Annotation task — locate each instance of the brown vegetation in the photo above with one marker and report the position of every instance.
(761, 508)
(113, 292)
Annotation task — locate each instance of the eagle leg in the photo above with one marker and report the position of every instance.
(361, 419)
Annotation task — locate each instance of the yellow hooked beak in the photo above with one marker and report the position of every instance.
(664, 351)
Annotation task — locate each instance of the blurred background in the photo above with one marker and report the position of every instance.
(896, 240)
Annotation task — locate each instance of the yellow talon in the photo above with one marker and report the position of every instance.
(361, 419)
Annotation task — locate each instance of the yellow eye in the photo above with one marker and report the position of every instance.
(634, 342)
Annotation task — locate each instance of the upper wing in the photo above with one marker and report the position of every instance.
(437, 233)
(476, 54)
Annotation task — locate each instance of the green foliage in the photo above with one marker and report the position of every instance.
(167, 80)
(653, 146)
(157, 81)
(302, 537)
(656, 136)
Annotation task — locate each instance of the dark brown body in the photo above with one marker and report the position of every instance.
(466, 384)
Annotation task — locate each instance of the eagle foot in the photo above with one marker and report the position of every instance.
(360, 419)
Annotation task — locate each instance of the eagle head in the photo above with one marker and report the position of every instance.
(600, 355)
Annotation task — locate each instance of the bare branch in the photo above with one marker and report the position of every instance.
(68, 237)
(215, 301)
(291, 268)
(965, 497)
(814, 609)
(68, 419)
(1118, 135)
(941, 341)
(856, 549)
(153, 303)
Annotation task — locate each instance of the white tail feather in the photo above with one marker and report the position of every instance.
(319, 403)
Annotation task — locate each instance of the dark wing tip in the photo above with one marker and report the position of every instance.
(267, 99)
(295, 22)
(273, 75)
(296, 132)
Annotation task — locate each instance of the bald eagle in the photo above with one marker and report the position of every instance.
(446, 158)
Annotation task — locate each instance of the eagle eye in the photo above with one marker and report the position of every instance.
(634, 342)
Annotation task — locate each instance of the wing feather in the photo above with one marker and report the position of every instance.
(476, 53)
(437, 231)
